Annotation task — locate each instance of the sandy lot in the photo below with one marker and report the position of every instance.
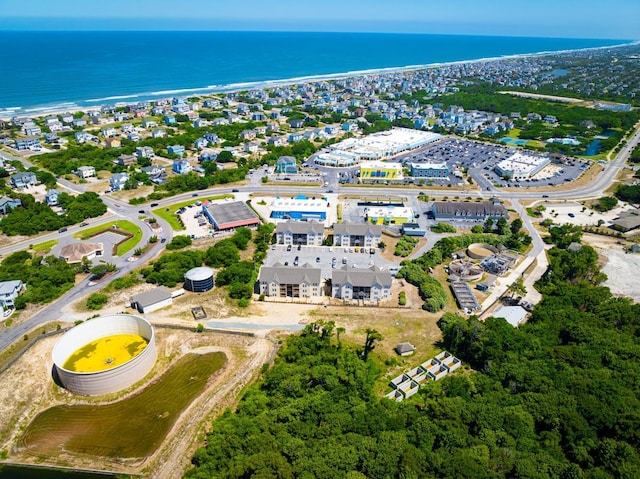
(623, 271)
(559, 213)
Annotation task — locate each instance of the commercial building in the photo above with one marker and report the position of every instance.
(521, 167)
(389, 215)
(449, 210)
(429, 170)
(76, 252)
(300, 208)
(380, 170)
(224, 216)
(307, 233)
(152, 300)
(367, 284)
(357, 234)
(281, 281)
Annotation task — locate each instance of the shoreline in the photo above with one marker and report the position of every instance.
(92, 104)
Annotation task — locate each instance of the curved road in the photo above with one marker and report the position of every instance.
(126, 211)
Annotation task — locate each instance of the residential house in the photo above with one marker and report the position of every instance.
(307, 233)
(9, 291)
(118, 180)
(251, 147)
(357, 234)
(52, 197)
(170, 120)
(154, 171)
(24, 179)
(83, 137)
(7, 204)
(181, 167)
(31, 129)
(277, 141)
(200, 143)
(295, 137)
(113, 143)
(144, 152)
(248, 135)
(86, 171)
(290, 282)
(175, 150)
(108, 132)
(148, 123)
(158, 133)
(67, 118)
(367, 284)
(296, 123)
(27, 143)
(212, 138)
(126, 160)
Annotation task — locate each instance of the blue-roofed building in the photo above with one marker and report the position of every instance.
(52, 197)
(7, 204)
(170, 120)
(300, 208)
(176, 150)
(286, 165)
(181, 167)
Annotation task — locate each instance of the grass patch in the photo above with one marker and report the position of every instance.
(119, 224)
(133, 427)
(169, 213)
(46, 246)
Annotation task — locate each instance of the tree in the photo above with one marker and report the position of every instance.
(179, 242)
(488, 225)
(225, 156)
(502, 225)
(370, 342)
(516, 225)
(97, 301)
(518, 287)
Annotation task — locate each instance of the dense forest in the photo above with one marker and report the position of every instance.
(556, 398)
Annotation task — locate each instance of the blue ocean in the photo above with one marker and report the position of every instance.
(55, 70)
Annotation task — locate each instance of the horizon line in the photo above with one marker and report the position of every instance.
(240, 30)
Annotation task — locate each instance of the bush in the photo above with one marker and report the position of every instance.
(179, 242)
(443, 228)
(402, 298)
(405, 246)
(97, 301)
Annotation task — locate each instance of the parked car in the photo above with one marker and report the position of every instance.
(163, 240)
(83, 224)
(62, 230)
(153, 205)
(235, 190)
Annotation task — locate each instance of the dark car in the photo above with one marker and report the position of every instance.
(153, 205)
(194, 194)
(235, 190)
(163, 240)
(289, 247)
(141, 212)
(83, 224)
(62, 230)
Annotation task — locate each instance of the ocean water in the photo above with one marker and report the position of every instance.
(54, 70)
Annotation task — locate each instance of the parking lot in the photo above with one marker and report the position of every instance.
(323, 257)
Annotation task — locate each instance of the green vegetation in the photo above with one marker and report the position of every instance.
(628, 193)
(125, 282)
(169, 213)
(179, 242)
(556, 398)
(47, 278)
(119, 224)
(97, 301)
(34, 217)
(131, 428)
(170, 268)
(443, 228)
(405, 246)
(402, 298)
(606, 203)
(45, 246)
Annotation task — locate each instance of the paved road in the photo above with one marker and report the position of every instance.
(125, 211)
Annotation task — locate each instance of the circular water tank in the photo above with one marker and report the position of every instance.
(199, 280)
(107, 379)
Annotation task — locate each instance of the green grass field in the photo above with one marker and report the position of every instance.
(169, 213)
(121, 224)
(46, 246)
(131, 428)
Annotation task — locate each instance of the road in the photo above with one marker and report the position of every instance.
(123, 210)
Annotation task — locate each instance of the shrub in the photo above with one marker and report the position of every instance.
(402, 298)
(97, 301)
(179, 242)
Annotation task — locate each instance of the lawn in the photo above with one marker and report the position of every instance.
(169, 213)
(46, 246)
(120, 224)
(133, 427)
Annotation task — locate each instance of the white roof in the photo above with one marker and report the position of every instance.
(513, 314)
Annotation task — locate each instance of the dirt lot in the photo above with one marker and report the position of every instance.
(26, 388)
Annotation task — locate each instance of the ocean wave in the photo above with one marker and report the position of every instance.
(115, 97)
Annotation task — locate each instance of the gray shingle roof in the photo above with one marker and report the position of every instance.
(290, 274)
(357, 229)
(486, 208)
(361, 277)
(300, 227)
(151, 297)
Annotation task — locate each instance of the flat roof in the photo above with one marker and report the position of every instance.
(514, 315)
(233, 214)
(299, 204)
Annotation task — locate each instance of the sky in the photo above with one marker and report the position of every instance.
(610, 19)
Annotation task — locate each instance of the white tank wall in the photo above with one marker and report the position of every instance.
(112, 380)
